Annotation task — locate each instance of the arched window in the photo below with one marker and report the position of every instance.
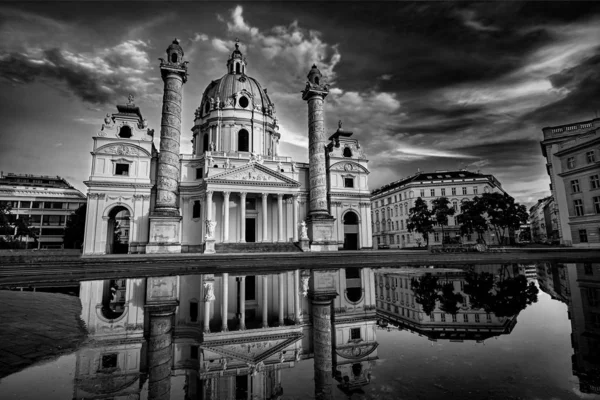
(406, 209)
(125, 132)
(205, 143)
(237, 68)
(114, 297)
(243, 140)
(317, 80)
(354, 290)
(196, 209)
(174, 57)
(207, 107)
(347, 152)
(243, 102)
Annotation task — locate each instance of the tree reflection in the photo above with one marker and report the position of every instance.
(505, 295)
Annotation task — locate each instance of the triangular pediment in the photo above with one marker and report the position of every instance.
(252, 349)
(254, 174)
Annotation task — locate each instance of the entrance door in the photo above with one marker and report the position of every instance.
(350, 231)
(250, 230)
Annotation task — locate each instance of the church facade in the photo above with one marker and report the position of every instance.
(235, 188)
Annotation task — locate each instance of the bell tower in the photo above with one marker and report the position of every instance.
(165, 218)
(320, 222)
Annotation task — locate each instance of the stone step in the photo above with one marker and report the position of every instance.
(287, 247)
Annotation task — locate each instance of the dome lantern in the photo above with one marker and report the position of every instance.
(236, 63)
(175, 52)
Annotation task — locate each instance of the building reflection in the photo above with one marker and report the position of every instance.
(584, 313)
(454, 304)
(226, 336)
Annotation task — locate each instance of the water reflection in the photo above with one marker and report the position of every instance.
(221, 336)
(314, 334)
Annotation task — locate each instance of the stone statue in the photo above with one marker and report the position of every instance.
(305, 280)
(211, 161)
(340, 125)
(224, 363)
(227, 163)
(303, 231)
(218, 102)
(209, 294)
(144, 123)
(269, 151)
(212, 103)
(130, 99)
(211, 146)
(293, 167)
(210, 229)
(108, 120)
(279, 166)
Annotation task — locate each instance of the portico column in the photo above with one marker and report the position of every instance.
(225, 305)
(209, 205)
(242, 281)
(243, 217)
(295, 220)
(280, 217)
(281, 277)
(209, 295)
(297, 296)
(264, 215)
(226, 217)
(265, 320)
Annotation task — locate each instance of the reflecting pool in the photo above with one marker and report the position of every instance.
(505, 331)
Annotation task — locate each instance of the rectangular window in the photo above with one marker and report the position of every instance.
(575, 186)
(476, 317)
(453, 317)
(199, 173)
(578, 203)
(464, 190)
(590, 156)
(53, 220)
(109, 361)
(355, 333)
(474, 189)
(349, 183)
(443, 317)
(571, 162)
(431, 318)
(465, 317)
(594, 182)
(250, 204)
(196, 209)
(488, 317)
(122, 169)
(432, 191)
(194, 352)
(596, 204)
(422, 192)
(395, 199)
(389, 200)
(587, 269)
(443, 192)
(583, 236)
(251, 287)
(436, 237)
(35, 219)
(73, 206)
(25, 204)
(36, 204)
(454, 191)
(194, 311)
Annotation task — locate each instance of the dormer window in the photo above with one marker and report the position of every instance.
(125, 132)
(243, 102)
(347, 152)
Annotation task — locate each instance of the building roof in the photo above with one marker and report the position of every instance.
(434, 176)
(37, 185)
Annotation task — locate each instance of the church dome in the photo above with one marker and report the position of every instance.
(236, 89)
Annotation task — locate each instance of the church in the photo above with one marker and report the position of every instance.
(235, 192)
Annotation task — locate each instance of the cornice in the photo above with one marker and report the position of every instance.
(130, 185)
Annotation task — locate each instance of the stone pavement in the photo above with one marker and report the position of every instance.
(37, 326)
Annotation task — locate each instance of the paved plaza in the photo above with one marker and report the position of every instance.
(37, 326)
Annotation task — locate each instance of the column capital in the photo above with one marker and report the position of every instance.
(280, 195)
(264, 195)
(209, 192)
(243, 194)
(226, 194)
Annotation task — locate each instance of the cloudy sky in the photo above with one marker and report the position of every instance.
(422, 85)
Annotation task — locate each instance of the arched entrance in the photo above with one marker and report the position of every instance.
(350, 231)
(117, 241)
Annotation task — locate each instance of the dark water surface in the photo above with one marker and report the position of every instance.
(480, 332)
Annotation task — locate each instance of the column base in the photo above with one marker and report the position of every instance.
(164, 234)
(209, 246)
(320, 230)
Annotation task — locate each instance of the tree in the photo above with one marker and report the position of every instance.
(23, 229)
(426, 290)
(6, 228)
(449, 299)
(472, 218)
(420, 219)
(503, 213)
(75, 229)
(441, 210)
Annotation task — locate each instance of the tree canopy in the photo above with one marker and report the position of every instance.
(441, 210)
(504, 213)
(75, 228)
(420, 219)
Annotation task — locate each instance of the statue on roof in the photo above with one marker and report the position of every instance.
(130, 99)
